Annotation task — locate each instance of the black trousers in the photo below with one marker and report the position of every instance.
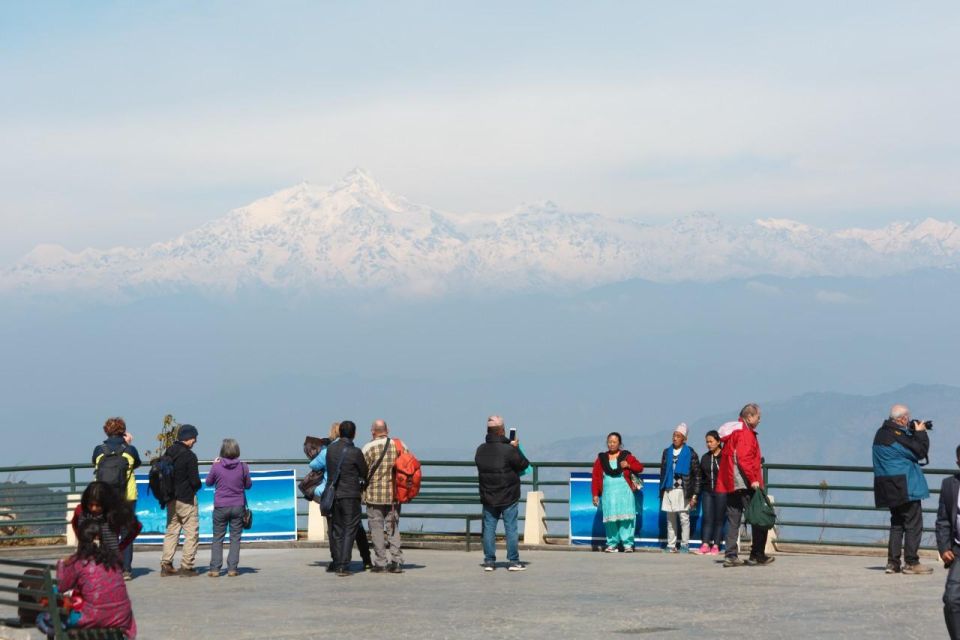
(346, 521)
(736, 503)
(363, 545)
(906, 528)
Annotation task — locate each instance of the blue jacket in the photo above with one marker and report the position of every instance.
(897, 456)
(320, 464)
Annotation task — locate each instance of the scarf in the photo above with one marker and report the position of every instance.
(683, 466)
(613, 472)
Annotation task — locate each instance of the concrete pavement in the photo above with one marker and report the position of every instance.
(286, 594)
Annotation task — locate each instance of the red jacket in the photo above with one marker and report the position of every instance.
(739, 439)
(635, 467)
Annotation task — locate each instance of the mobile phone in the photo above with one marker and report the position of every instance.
(513, 435)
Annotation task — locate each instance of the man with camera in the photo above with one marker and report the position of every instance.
(899, 450)
(499, 465)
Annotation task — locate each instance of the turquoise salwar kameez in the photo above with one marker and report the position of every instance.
(619, 507)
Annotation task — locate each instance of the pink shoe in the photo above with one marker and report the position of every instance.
(704, 549)
(715, 550)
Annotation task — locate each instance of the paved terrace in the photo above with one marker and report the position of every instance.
(285, 593)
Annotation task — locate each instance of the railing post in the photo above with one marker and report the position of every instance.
(316, 523)
(73, 499)
(73, 479)
(468, 533)
(53, 607)
(536, 476)
(535, 524)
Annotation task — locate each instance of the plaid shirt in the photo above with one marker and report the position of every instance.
(380, 485)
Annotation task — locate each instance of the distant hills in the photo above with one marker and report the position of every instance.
(355, 235)
(813, 428)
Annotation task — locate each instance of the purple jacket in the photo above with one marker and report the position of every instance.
(230, 476)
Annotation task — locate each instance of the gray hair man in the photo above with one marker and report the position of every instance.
(900, 448)
(383, 511)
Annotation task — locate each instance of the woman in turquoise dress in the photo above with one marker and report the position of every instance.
(613, 490)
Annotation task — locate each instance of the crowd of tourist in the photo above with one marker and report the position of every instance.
(382, 475)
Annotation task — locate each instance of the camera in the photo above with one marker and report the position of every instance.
(928, 425)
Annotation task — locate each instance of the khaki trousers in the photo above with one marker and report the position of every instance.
(182, 516)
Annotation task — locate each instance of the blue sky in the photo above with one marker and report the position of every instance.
(127, 123)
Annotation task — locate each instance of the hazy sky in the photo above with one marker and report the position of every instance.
(127, 123)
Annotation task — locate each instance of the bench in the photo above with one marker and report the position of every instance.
(27, 598)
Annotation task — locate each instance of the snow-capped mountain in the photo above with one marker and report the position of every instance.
(356, 235)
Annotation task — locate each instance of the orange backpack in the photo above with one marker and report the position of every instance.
(406, 475)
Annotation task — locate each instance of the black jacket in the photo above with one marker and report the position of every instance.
(709, 470)
(353, 473)
(186, 474)
(499, 465)
(691, 481)
(947, 513)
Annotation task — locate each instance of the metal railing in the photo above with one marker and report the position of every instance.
(817, 504)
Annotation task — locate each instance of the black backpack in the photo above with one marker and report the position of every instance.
(113, 469)
(161, 480)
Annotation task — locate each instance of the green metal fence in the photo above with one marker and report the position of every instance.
(817, 504)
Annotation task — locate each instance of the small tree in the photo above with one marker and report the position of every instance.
(167, 436)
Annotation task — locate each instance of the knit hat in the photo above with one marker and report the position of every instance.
(187, 432)
(681, 429)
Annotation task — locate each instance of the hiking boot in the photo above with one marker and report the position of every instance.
(516, 566)
(167, 570)
(394, 567)
(918, 569)
(765, 560)
(733, 561)
(213, 574)
(892, 567)
(377, 569)
(704, 549)
(367, 566)
(331, 568)
(188, 572)
(233, 574)
(489, 566)
(343, 573)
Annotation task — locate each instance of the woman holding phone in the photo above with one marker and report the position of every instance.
(613, 491)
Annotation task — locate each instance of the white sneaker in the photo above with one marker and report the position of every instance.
(489, 566)
(611, 550)
(516, 566)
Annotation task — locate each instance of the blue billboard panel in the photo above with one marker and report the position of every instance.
(586, 520)
(272, 498)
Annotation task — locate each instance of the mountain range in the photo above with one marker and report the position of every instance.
(355, 235)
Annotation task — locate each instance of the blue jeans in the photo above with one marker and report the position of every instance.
(713, 517)
(222, 516)
(509, 516)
